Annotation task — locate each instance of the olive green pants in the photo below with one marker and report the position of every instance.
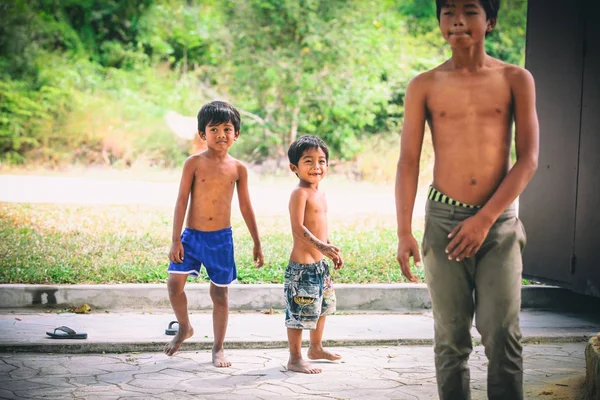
(488, 286)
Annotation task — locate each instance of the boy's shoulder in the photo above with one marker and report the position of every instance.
(513, 73)
(300, 192)
(204, 156)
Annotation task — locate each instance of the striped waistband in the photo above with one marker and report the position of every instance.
(436, 195)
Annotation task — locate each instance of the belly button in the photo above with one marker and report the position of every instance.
(473, 182)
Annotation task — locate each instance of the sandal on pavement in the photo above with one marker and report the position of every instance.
(67, 333)
(170, 330)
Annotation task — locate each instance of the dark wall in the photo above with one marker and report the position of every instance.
(561, 206)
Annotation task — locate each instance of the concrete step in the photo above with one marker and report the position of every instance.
(400, 297)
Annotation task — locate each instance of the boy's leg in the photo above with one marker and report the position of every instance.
(498, 302)
(315, 348)
(450, 285)
(328, 306)
(175, 285)
(296, 362)
(219, 296)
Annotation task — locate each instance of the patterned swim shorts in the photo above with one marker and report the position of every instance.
(308, 294)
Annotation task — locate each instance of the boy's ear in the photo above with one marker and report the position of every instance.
(491, 24)
(294, 168)
(236, 135)
(202, 135)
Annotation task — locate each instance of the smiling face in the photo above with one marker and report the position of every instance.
(312, 166)
(464, 22)
(220, 137)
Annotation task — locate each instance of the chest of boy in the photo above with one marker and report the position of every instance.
(470, 99)
(216, 179)
(316, 207)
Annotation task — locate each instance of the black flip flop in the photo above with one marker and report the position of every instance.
(170, 330)
(67, 333)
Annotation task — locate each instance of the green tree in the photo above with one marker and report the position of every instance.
(306, 67)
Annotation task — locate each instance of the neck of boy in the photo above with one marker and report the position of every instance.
(216, 155)
(469, 59)
(308, 185)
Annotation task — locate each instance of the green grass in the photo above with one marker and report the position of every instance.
(42, 243)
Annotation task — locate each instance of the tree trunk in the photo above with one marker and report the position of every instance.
(294, 130)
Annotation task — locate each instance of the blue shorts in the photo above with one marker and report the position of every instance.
(308, 293)
(212, 249)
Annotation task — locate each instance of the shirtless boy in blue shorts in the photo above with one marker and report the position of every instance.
(208, 180)
(309, 295)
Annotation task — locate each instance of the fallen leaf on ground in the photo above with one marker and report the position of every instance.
(82, 309)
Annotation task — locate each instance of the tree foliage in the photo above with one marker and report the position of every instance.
(333, 68)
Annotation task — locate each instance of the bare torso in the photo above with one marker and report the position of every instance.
(315, 220)
(470, 115)
(211, 193)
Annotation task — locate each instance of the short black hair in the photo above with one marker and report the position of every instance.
(216, 113)
(304, 143)
(491, 7)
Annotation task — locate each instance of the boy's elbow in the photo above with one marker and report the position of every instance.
(530, 163)
(406, 164)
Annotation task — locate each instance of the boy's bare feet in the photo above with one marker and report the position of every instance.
(182, 334)
(219, 359)
(299, 365)
(319, 353)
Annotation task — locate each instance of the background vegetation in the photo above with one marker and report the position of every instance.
(41, 243)
(90, 81)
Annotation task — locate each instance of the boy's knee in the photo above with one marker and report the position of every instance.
(219, 295)
(502, 335)
(175, 284)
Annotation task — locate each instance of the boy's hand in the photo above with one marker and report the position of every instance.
(330, 251)
(467, 237)
(338, 262)
(408, 247)
(176, 252)
(257, 255)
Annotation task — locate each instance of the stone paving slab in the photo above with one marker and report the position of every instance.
(136, 331)
(552, 371)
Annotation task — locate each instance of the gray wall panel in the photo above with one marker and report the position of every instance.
(587, 232)
(547, 207)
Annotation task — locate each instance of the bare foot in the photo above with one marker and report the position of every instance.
(299, 365)
(182, 334)
(219, 359)
(319, 353)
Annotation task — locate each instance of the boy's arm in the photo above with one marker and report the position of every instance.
(248, 213)
(187, 177)
(297, 208)
(339, 262)
(407, 173)
(527, 147)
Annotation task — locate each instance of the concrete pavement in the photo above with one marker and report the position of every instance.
(552, 371)
(128, 331)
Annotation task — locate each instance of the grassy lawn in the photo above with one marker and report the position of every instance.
(55, 243)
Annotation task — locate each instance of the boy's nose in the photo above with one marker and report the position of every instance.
(459, 19)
